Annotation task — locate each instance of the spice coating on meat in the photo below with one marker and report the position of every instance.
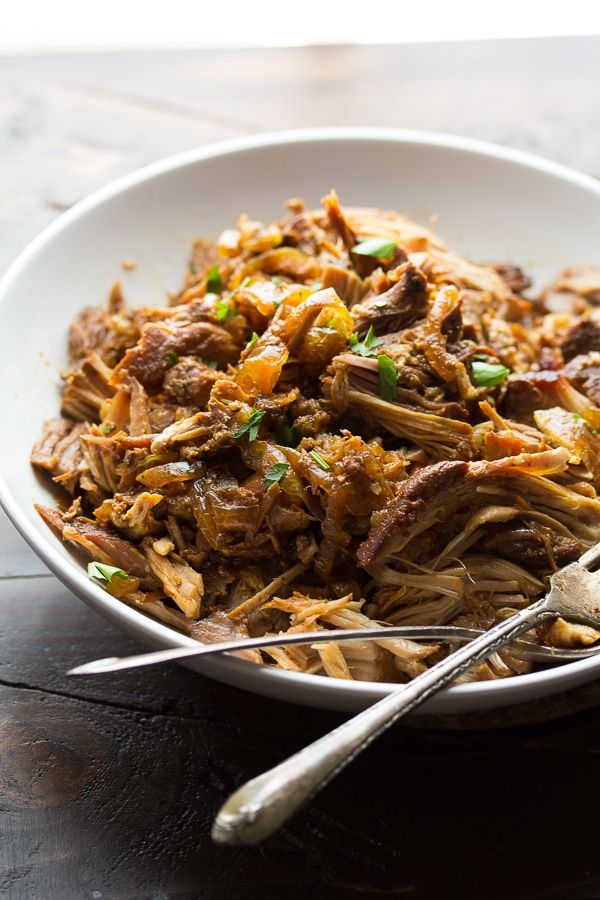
(336, 422)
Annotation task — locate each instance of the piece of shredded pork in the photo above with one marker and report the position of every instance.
(338, 422)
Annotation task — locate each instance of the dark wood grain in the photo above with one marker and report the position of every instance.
(108, 785)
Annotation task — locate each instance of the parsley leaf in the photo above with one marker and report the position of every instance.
(252, 340)
(287, 436)
(319, 460)
(105, 572)
(223, 309)
(212, 363)
(252, 426)
(214, 283)
(388, 377)
(585, 422)
(172, 358)
(276, 473)
(277, 282)
(107, 428)
(366, 347)
(380, 248)
(488, 374)
(223, 306)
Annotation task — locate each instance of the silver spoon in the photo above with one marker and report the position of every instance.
(261, 806)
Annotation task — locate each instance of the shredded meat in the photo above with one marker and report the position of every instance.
(583, 372)
(400, 306)
(337, 422)
(582, 337)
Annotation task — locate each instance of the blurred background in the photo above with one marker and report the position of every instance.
(90, 92)
(114, 24)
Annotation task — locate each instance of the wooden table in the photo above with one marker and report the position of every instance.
(108, 786)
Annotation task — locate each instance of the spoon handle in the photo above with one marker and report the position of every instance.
(262, 805)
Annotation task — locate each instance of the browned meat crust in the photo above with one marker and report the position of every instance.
(400, 306)
(441, 484)
(583, 337)
(336, 422)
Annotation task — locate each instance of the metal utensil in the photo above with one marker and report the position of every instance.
(524, 649)
(262, 805)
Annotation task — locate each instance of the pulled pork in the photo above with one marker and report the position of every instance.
(337, 423)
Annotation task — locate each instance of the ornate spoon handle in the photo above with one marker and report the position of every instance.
(262, 805)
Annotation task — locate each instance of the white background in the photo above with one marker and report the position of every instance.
(57, 25)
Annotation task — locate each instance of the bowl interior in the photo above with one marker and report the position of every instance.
(489, 207)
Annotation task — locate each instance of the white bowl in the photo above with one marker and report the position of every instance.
(492, 203)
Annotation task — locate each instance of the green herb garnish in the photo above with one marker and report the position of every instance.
(277, 282)
(388, 377)
(105, 572)
(380, 248)
(275, 474)
(585, 422)
(107, 428)
(212, 363)
(487, 374)
(319, 460)
(252, 340)
(214, 283)
(287, 436)
(172, 358)
(223, 309)
(252, 426)
(366, 347)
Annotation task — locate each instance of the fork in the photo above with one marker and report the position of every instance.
(523, 649)
(262, 805)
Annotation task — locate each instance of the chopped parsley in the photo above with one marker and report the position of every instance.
(105, 572)
(252, 426)
(275, 474)
(287, 436)
(319, 460)
(487, 374)
(277, 282)
(388, 377)
(172, 358)
(107, 428)
(252, 340)
(585, 422)
(214, 283)
(212, 363)
(223, 309)
(366, 347)
(380, 248)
